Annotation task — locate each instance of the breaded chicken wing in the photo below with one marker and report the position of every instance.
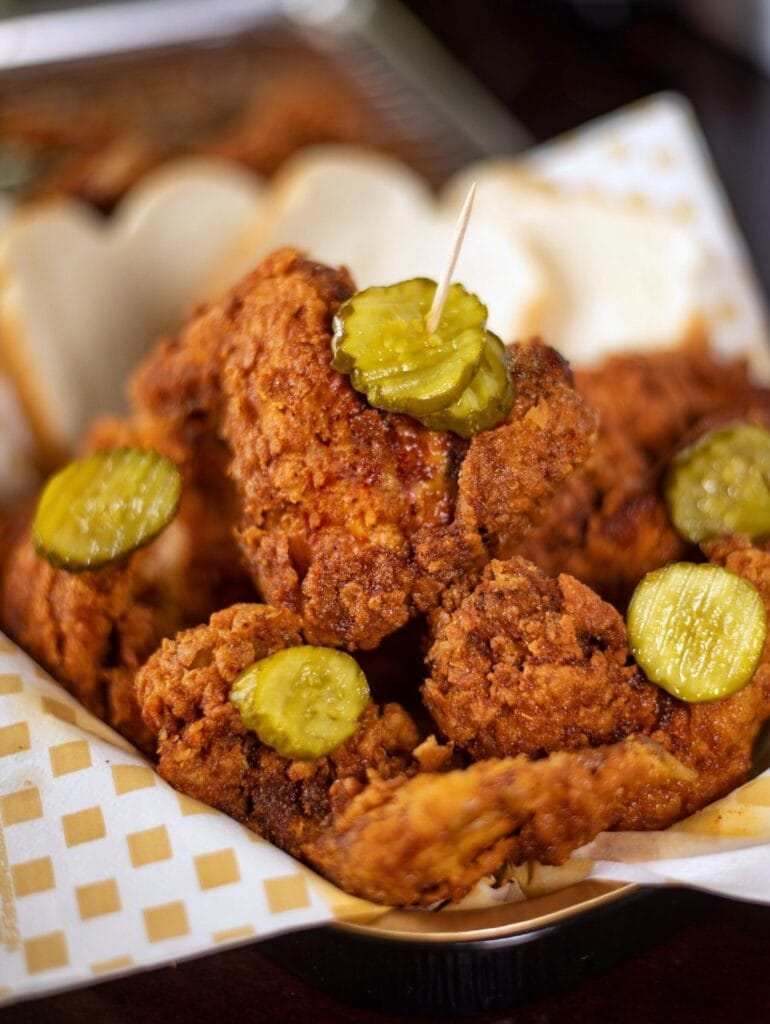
(354, 518)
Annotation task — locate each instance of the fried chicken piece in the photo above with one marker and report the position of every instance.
(528, 664)
(391, 820)
(654, 399)
(609, 524)
(415, 841)
(205, 750)
(715, 739)
(531, 664)
(92, 630)
(354, 518)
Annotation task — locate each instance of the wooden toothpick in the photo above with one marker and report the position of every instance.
(437, 307)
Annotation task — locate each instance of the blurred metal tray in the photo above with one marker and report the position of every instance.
(183, 65)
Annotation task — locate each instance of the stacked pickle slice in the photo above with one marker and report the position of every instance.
(455, 378)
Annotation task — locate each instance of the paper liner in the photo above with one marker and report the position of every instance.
(724, 849)
(652, 156)
(104, 869)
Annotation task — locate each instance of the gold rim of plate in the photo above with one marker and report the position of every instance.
(496, 922)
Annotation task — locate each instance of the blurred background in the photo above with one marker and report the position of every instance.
(556, 65)
(545, 67)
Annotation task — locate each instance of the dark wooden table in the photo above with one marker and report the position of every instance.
(714, 969)
(554, 68)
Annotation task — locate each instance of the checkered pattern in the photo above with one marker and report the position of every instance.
(104, 868)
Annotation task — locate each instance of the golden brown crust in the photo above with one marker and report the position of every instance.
(205, 750)
(389, 820)
(609, 525)
(431, 837)
(352, 521)
(380, 816)
(715, 739)
(530, 665)
(93, 630)
(354, 518)
(510, 473)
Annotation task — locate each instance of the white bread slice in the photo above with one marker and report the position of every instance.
(622, 279)
(81, 297)
(348, 206)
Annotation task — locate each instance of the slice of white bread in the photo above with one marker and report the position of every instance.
(82, 297)
(348, 206)
(621, 279)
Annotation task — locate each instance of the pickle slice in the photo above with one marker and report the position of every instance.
(486, 401)
(302, 701)
(721, 484)
(697, 630)
(98, 509)
(380, 339)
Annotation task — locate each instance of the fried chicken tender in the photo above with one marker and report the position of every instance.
(354, 518)
(529, 664)
(532, 664)
(416, 841)
(609, 525)
(92, 630)
(205, 750)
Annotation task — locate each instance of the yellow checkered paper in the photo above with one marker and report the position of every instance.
(104, 868)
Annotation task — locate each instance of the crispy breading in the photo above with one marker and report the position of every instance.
(715, 739)
(528, 664)
(205, 750)
(392, 821)
(415, 841)
(92, 630)
(354, 518)
(609, 525)
(381, 815)
(353, 523)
